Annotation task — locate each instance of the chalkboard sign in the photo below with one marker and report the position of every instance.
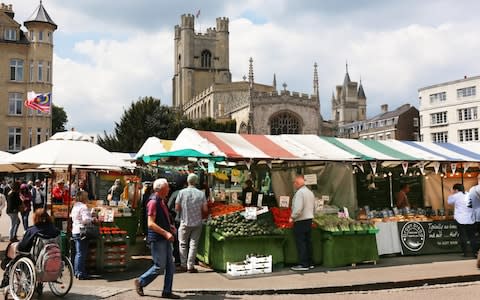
(428, 237)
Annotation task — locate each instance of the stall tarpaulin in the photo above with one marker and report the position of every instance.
(154, 145)
(269, 147)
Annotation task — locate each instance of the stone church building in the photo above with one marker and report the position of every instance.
(203, 87)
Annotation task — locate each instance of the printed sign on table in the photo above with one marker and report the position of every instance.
(260, 200)
(248, 198)
(284, 201)
(310, 179)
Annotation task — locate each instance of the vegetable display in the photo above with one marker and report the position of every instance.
(218, 209)
(332, 223)
(235, 224)
(281, 217)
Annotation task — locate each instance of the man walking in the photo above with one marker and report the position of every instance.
(160, 236)
(38, 195)
(303, 209)
(191, 205)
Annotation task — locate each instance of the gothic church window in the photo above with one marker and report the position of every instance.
(284, 123)
(206, 59)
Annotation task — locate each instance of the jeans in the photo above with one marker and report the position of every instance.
(162, 261)
(303, 240)
(188, 238)
(81, 250)
(25, 219)
(15, 222)
(466, 233)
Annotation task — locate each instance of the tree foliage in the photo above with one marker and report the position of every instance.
(59, 119)
(148, 117)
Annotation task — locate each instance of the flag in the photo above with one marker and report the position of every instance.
(197, 14)
(41, 102)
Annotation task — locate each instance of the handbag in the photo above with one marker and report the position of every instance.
(90, 232)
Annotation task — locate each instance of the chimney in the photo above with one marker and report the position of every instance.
(384, 108)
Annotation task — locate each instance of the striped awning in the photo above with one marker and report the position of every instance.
(272, 147)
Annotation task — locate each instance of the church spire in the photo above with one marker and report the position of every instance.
(361, 92)
(347, 77)
(250, 72)
(274, 81)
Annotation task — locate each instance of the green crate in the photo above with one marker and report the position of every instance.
(290, 247)
(344, 250)
(130, 225)
(203, 251)
(235, 249)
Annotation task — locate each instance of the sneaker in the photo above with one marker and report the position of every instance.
(192, 270)
(311, 267)
(299, 268)
(170, 296)
(138, 288)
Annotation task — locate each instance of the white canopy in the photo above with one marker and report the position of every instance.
(154, 145)
(69, 148)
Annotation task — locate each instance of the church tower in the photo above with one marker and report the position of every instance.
(201, 59)
(349, 103)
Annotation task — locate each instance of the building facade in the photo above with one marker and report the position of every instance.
(26, 61)
(202, 87)
(449, 111)
(401, 123)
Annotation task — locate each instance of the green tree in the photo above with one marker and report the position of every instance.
(148, 117)
(59, 119)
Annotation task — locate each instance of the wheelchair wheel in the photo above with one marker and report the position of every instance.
(22, 280)
(63, 284)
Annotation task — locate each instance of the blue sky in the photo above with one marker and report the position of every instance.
(109, 53)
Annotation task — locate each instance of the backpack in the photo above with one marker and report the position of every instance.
(49, 260)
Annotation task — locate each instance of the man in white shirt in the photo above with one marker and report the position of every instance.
(303, 209)
(38, 195)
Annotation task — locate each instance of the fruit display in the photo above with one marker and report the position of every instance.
(235, 224)
(333, 223)
(281, 217)
(219, 209)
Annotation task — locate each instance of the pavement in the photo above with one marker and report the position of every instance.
(387, 273)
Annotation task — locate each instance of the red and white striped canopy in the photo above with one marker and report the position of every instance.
(245, 146)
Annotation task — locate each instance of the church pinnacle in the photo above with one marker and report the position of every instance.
(250, 72)
(315, 79)
(347, 77)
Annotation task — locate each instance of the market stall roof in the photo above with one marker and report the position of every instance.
(68, 148)
(180, 153)
(154, 145)
(395, 150)
(250, 146)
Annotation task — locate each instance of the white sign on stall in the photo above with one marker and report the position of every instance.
(325, 198)
(248, 198)
(250, 213)
(310, 179)
(284, 201)
(260, 200)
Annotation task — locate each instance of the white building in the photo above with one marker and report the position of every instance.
(449, 111)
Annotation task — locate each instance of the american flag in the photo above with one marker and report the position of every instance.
(41, 102)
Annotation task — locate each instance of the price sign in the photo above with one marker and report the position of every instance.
(234, 197)
(260, 200)
(318, 204)
(310, 179)
(325, 198)
(250, 213)
(248, 198)
(284, 201)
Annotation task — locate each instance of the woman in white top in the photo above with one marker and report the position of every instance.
(464, 218)
(81, 216)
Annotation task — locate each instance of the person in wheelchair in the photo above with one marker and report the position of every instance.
(43, 227)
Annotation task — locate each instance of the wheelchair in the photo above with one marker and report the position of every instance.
(24, 274)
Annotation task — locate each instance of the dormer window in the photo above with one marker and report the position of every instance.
(10, 34)
(206, 59)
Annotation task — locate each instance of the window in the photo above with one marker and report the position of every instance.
(465, 135)
(415, 136)
(32, 66)
(10, 34)
(438, 97)
(388, 136)
(40, 35)
(49, 35)
(466, 92)
(284, 123)
(32, 35)
(380, 137)
(439, 118)
(440, 137)
(40, 71)
(467, 114)
(39, 135)
(47, 134)
(14, 139)
(206, 59)
(15, 104)
(49, 71)
(30, 137)
(16, 69)
(415, 122)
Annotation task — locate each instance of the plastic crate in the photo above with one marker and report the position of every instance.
(239, 269)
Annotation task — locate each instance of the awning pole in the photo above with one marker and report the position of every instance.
(443, 195)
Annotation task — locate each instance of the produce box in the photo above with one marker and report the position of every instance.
(344, 250)
(203, 251)
(290, 247)
(234, 249)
